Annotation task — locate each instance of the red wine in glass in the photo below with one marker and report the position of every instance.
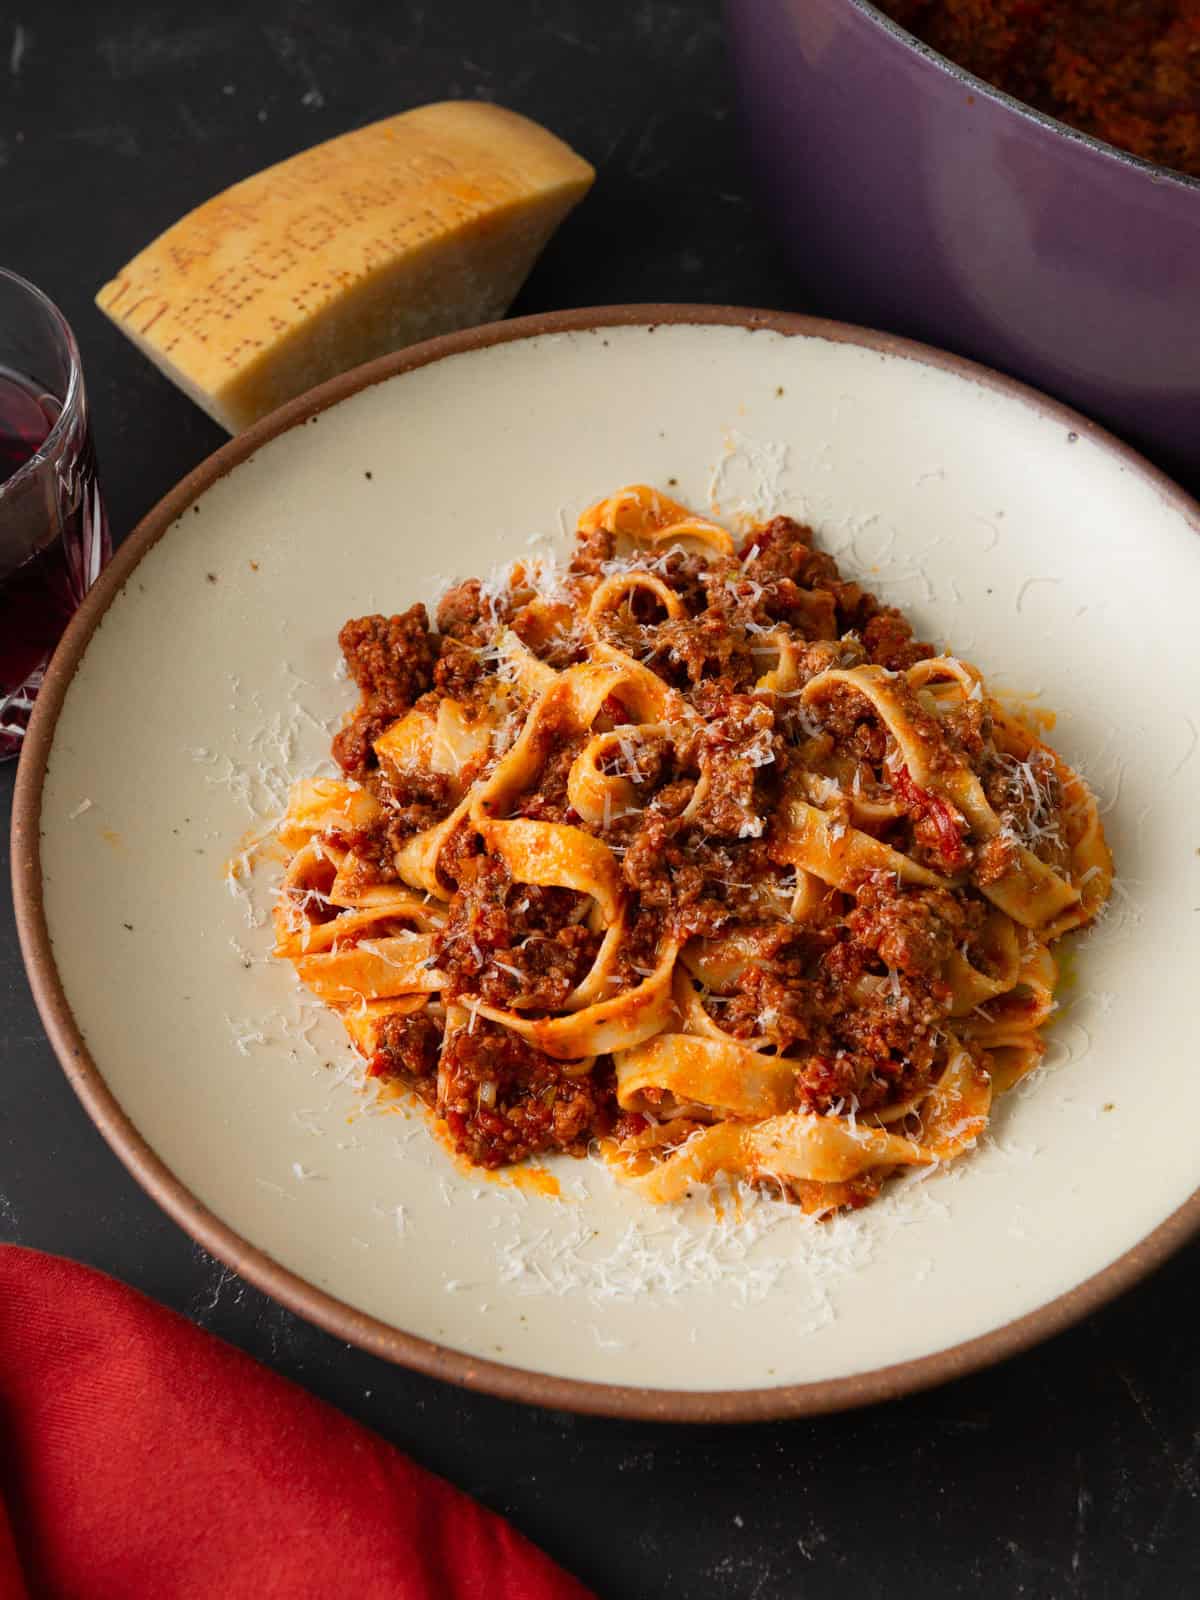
(53, 535)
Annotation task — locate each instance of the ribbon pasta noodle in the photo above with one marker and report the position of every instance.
(689, 853)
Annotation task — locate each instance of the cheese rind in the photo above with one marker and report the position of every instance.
(418, 225)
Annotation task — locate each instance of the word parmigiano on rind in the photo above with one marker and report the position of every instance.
(414, 226)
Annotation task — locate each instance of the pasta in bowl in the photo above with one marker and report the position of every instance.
(687, 851)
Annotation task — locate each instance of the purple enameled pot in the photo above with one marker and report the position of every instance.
(914, 197)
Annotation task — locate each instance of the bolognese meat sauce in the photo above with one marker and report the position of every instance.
(855, 1001)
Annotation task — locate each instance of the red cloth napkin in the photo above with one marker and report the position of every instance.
(141, 1457)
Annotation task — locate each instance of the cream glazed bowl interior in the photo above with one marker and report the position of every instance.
(201, 677)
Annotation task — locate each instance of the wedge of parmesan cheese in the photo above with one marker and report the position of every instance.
(414, 226)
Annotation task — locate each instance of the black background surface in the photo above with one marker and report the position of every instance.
(1070, 1471)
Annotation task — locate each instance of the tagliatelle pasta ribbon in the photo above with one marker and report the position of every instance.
(371, 969)
(595, 793)
(318, 804)
(795, 1146)
(1023, 1007)
(722, 1076)
(417, 860)
(622, 586)
(1031, 892)
(694, 1019)
(643, 514)
(1090, 857)
(602, 1028)
(972, 985)
(366, 1021)
(552, 854)
(839, 855)
(873, 1006)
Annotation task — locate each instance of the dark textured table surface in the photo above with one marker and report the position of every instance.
(1070, 1471)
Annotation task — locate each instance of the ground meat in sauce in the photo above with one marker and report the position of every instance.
(592, 552)
(913, 930)
(888, 641)
(1027, 798)
(513, 945)
(408, 1047)
(688, 576)
(657, 867)
(391, 659)
(459, 671)
(995, 858)
(735, 745)
(560, 644)
(502, 1100)
(416, 800)
(782, 553)
(549, 801)
(770, 1003)
(700, 647)
(1127, 71)
(456, 859)
(855, 1001)
(465, 616)
(795, 995)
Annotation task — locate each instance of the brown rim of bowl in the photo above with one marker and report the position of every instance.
(333, 1315)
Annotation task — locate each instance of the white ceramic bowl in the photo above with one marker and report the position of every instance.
(199, 678)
